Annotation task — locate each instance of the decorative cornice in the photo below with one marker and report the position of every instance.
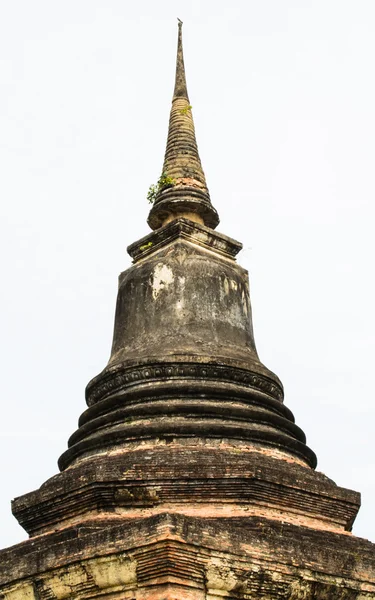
(184, 400)
(122, 377)
(187, 230)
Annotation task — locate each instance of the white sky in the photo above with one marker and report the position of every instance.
(283, 98)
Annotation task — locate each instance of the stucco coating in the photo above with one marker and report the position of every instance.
(187, 477)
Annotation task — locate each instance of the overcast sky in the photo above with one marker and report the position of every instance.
(283, 99)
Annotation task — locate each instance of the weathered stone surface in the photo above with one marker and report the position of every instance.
(191, 478)
(187, 478)
(227, 557)
(185, 230)
(204, 378)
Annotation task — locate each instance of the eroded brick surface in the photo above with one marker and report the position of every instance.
(187, 478)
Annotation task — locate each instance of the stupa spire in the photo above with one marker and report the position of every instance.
(180, 88)
(182, 188)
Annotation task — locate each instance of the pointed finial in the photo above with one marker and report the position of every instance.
(180, 90)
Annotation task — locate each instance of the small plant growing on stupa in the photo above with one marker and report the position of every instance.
(145, 246)
(163, 182)
(184, 111)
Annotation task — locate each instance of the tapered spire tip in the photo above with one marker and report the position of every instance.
(182, 189)
(180, 89)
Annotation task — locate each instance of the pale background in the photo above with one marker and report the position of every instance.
(283, 99)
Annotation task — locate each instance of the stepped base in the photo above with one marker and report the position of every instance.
(201, 477)
(175, 557)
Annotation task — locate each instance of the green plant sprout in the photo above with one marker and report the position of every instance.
(163, 182)
(184, 111)
(145, 246)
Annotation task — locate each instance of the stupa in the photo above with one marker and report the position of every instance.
(187, 478)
